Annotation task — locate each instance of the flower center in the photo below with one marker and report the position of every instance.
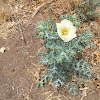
(64, 32)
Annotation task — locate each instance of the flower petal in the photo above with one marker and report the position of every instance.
(66, 22)
(57, 24)
(72, 30)
(69, 38)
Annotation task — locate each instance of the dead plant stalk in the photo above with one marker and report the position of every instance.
(18, 23)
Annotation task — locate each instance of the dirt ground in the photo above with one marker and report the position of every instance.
(19, 68)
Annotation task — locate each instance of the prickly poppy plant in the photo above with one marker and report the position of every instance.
(62, 56)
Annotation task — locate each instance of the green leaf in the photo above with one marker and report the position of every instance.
(70, 90)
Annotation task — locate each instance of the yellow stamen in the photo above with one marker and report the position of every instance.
(64, 32)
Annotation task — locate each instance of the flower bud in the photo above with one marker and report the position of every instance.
(41, 27)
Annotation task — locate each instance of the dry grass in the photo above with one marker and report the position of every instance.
(5, 11)
(61, 7)
(69, 3)
(5, 14)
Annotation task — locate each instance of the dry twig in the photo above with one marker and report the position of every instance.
(39, 7)
(18, 23)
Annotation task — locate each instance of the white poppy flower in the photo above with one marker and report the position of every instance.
(66, 30)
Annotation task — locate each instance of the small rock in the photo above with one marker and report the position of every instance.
(2, 50)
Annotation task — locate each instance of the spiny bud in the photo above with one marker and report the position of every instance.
(41, 27)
